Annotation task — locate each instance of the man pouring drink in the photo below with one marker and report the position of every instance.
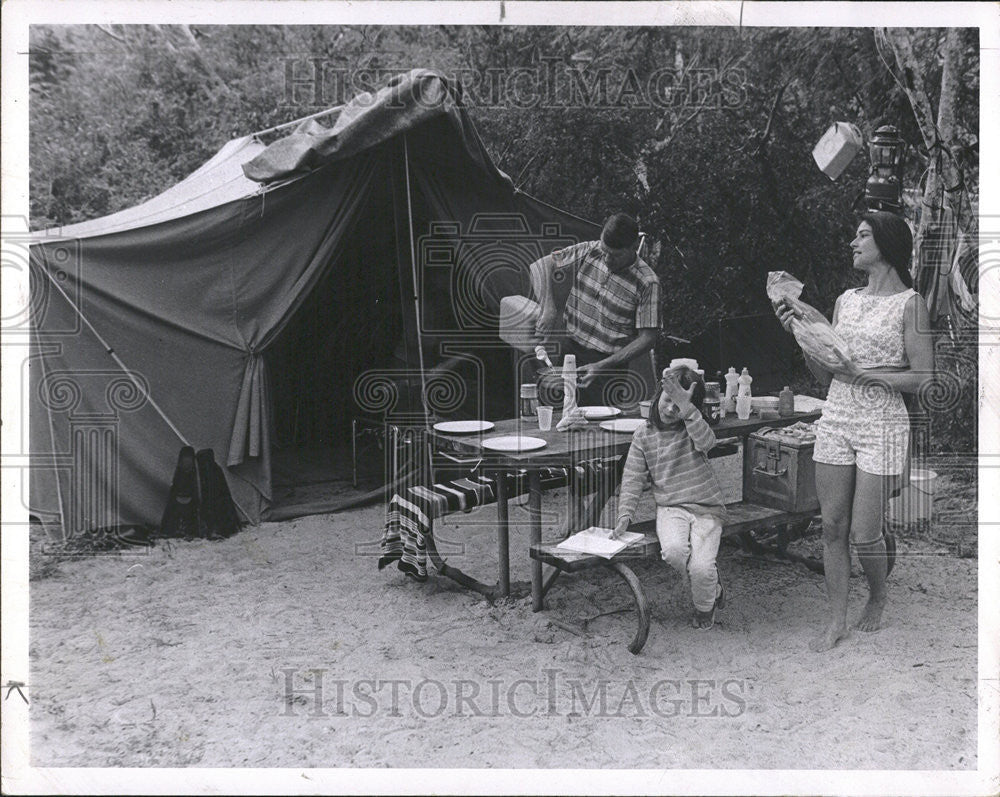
(612, 312)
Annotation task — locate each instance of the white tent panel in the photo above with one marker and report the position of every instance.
(216, 182)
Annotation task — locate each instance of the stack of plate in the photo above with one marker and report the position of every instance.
(763, 403)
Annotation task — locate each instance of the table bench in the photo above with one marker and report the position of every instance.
(742, 518)
(562, 450)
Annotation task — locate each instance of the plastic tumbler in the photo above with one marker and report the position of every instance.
(544, 418)
(743, 407)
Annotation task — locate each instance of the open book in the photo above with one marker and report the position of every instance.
(596, 541)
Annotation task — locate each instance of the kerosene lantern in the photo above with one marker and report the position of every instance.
(884, 189)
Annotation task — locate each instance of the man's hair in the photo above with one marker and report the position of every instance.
(620, 231)
(686, 377)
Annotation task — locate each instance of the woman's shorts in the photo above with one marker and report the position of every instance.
(863, 428)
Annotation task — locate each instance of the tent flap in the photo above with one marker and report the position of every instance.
(368, 120)
(250, 437)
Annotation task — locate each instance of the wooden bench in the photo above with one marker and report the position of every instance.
(743, 517)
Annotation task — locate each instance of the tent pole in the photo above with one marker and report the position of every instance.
(413, 271)
(294, 122)
(117, 359)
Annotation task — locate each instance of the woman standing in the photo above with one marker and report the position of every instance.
(862, 437)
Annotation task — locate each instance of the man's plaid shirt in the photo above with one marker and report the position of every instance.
(604, 309)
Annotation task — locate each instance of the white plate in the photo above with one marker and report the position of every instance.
(623, 424)
(464, 427)
(513, 442)
(600, 413)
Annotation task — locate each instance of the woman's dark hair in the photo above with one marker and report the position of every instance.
(620, 231)
(894, 241)
(687, 377)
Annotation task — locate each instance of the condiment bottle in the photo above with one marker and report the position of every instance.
(786, 402)
(731, 384)
(743, 398)
(569, 384)
(744, 383)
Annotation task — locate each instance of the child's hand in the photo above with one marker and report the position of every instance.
(677, 394)
(620, 529)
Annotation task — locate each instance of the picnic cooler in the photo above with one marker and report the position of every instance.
(778, 469)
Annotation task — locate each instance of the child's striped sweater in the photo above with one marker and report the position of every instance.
(676, 460)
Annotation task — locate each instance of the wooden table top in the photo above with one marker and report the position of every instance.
(581, 444)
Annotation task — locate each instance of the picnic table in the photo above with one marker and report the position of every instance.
(567, 449)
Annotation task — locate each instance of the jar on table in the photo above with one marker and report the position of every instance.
(711, 406)
(529, 400)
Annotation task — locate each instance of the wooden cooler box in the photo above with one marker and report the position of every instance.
(778, 469)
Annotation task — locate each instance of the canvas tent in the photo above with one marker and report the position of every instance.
(255, 295)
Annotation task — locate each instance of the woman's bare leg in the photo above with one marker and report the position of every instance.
(870, 495)
(835, 489)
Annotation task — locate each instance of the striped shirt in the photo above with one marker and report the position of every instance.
(604, 309)
(675, 459)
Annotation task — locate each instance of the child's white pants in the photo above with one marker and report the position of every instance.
(690, 542)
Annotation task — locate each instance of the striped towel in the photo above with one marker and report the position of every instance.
(410, 515)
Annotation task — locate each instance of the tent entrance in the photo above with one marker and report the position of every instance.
(354, 332)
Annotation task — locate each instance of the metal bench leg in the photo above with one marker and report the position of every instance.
(641, 606)
(535, 536)
(503, 534)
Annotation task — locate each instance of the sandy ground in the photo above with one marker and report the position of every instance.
(284, 645)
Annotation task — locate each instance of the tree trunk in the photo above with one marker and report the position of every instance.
(938, 136)
(946, 113)
(940, 232)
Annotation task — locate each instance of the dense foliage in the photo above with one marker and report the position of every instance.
(705, 134)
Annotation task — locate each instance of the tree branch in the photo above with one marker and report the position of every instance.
(106, 30)
(902, 47)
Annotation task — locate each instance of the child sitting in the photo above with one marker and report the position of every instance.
(672, 449)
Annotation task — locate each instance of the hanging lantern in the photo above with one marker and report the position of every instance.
(884, 189)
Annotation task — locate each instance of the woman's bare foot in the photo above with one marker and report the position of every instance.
(831, 635)
(871, 615)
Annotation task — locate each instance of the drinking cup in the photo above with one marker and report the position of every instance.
(544, 418)
(743, 407)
